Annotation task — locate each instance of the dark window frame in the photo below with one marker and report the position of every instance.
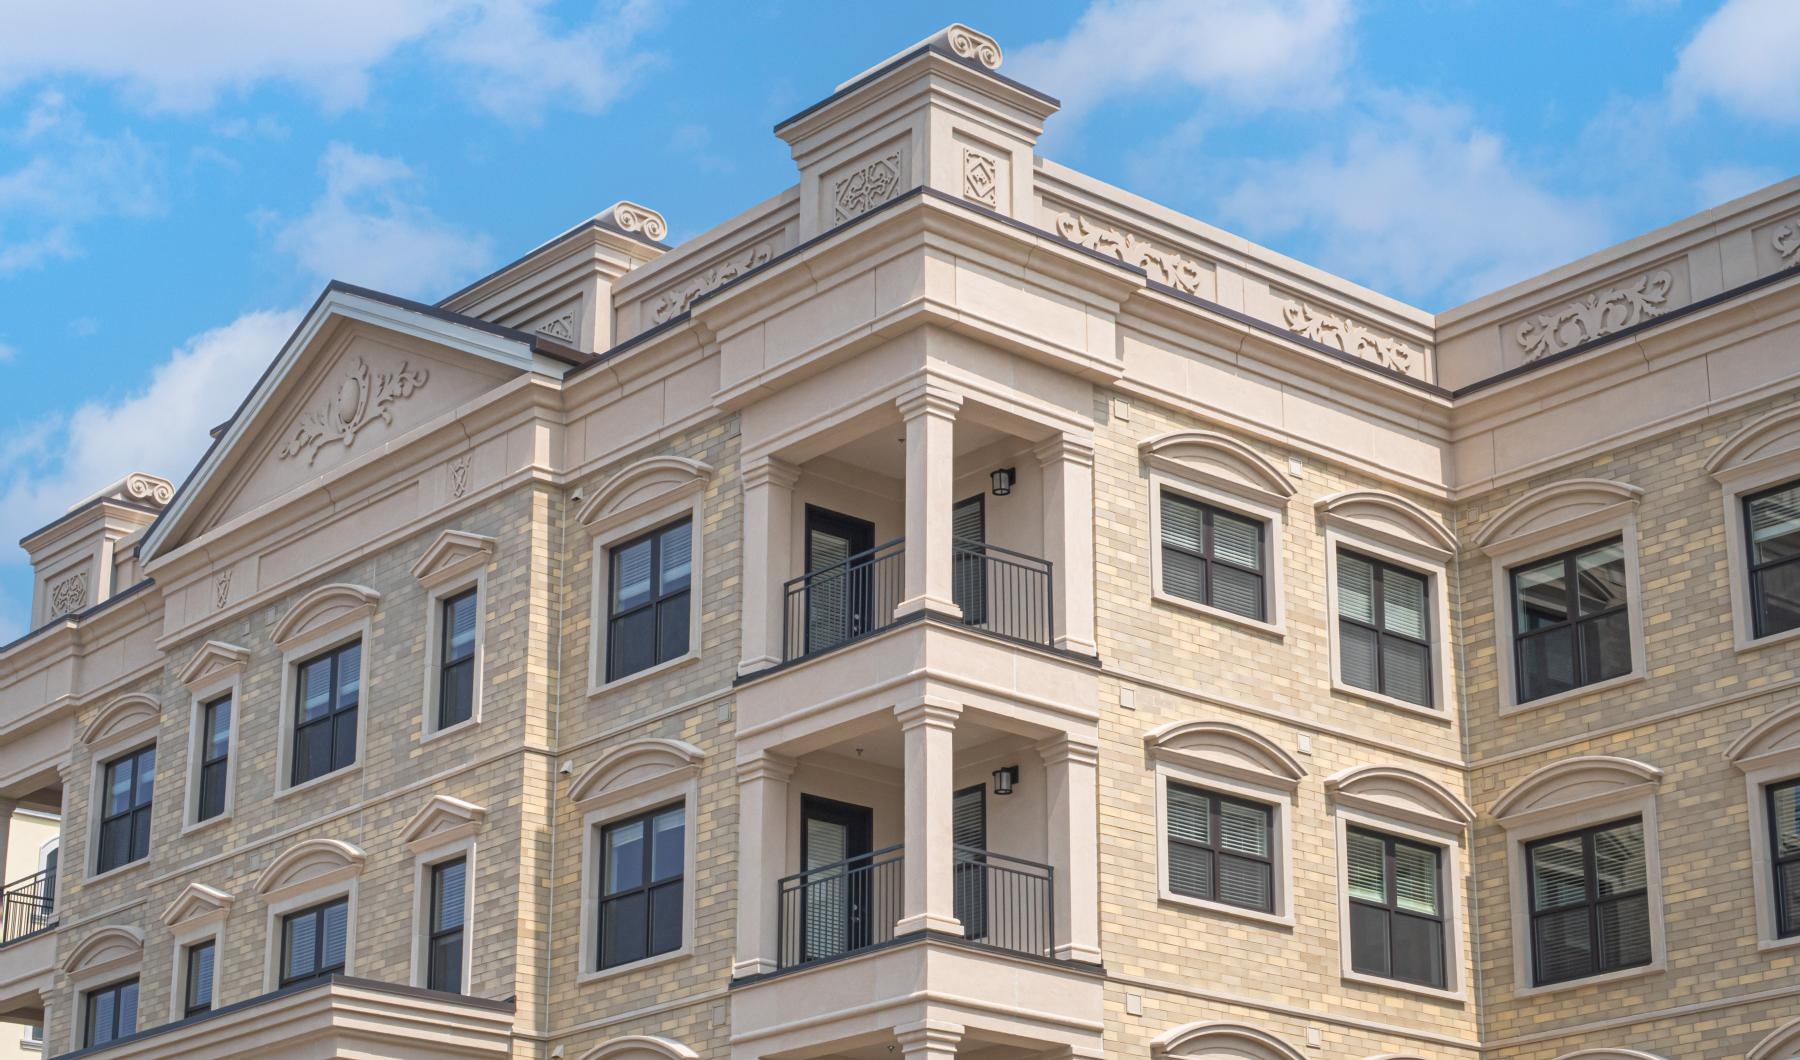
(654, 603)
(1391, 904)
(1208, 560)
(136, 814)
(1573, 622)
(435, 935)
(1755, 570)
(1215, 847)
(453, 667)
(1592, 901)
(1378, 594)
(214, 777)
(190, 1007)
(317, 912)
(647, 886)
(336, 709)
(89, 1001)
(1783, 927)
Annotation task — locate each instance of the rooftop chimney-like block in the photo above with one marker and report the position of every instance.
(936, 114)
(86, 556)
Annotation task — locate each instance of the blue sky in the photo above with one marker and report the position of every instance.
(177, 180)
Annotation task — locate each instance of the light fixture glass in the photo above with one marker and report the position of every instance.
(1004, 779)
(1003, 479)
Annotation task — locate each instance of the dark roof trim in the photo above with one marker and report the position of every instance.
(333, 979)
(80, 616)
(1627, 332)
(554, 241)
(436, 312)
(85, 507)
(903, 59)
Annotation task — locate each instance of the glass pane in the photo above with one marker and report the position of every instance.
(1356, 588)
(140, 834)
(146, 777)
(1245, 883)
(1367, 870)
(631, 643)
(447, 895)
(1190, 815)
(1416, 879)
(1190, 871)
(200, 976)
(1184, 576)
(1418, 950)
(1605, 647)
(456, 699)
(677, 559)
(668, 848)
(1561, 946)
(1775, 525)
(1407, 670)
(1777, 598)
(337, 927)
(218, 728)
(672, 628)
(827, 843)
(118, 786)
(1540, 597)
(665, 918)
(1243, 828)
(622, 930)
(1239, 592)
(1182, 524)
(1784, 809)
(1557, 874)
(1787, 898)
(343, 751)
(349, 667)
(1403, 603)
(1619, 859)
(1237, 540)
(315, 689)
(212, 790)
(102, 1012)
(128, 1005)
(312, 747)
(1546, 663)
(631, 575)
(115, 843)
(624, 857)
(1369, 940)
(1625, 933)
(459, 628)
(1600, 575)
(1357, 650)
(446, 963)
(301, 945)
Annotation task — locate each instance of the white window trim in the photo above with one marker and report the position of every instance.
(602, 563)
(1261, 510)
(128, 965)
(280, 901)
(680, 784)
(202, 693)
(423, 862)
(1456, 948)
(292, 656)
(197, 915)
(1768, 754)
(1443, 690)
(434, 652)
(1510, 551)
(1637, 799)
(1742, 467)
(103, 755)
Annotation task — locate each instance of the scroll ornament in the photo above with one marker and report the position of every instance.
(1164, 266)
(362, 398)
(1596, 315)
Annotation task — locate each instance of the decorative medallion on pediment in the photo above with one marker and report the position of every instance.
(870, 184)
(362, 397)
(69, 595)
(1598, 314)
(1163, 266)
(1353, 337)
(676, 300)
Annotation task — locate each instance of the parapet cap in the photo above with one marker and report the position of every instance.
(956, 38)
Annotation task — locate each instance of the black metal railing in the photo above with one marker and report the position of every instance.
(1005, 902)
(1003, 592)
(849, 599)
(840, 908)
(27, 906)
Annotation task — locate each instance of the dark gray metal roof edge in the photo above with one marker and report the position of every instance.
(79, 616)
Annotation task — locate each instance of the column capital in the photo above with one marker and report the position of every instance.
(1069, 748)
(1065, 446)
(764, 765)
(766, 470)
(928, 1037)
(929, 399)
(933, 711)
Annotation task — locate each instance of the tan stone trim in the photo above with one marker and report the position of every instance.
(637, 1047)
(1392, 791)
(631, 1016)
(323, 611)
(1782, 1042)
(1673, 1012)
(197, 903)
(454, 553)
(442, 820)
(309, 864)
(1235, 1039)
(215, 662)
(1265, 1005)
(127, 718)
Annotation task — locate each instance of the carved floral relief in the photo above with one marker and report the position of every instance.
(221, 589)
(1352, 337)
(561, 328)
(1164, 266)
(867, 186)
(459, 475)
(363, 397)
(1595, 315)
(981, 177)
(1786, 241)
(69, 595)
(676, 300)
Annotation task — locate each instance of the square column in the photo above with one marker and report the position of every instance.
(929, 1039)
(762, 859)
(930, 415)
(7, 806)
(928, 728)
(1068, 464)
(1071, 809)
(768, 542)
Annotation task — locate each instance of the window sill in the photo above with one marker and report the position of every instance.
(1376, 981)
(117, 871)
(1572, 694)
(635, 966)
(316, 782)
(1273, 629)
(472, 722)
(1784, 637)
(201, 826)
(1256, 915)
(1654, 968)
(1432, 713)
(1765, 945)
(648, 672)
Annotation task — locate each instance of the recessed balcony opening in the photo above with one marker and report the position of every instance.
(30, 855)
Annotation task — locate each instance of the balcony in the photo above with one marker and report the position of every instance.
(27, 907)
(998, 591)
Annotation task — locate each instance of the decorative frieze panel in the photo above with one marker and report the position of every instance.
(868, 185)
(363, 397)
(1352, 337)
(459, 475)
(559, 328)
(676, 300)
(1163, 266)
(981, 177)
(221, 589)
(1786, 241)
(69, 595)
(1596, 315)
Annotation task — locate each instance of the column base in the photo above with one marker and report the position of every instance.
(948, 925)
(756, 665)
(1069, 951)
(1078, 647)
(935, 604)
(746, 969)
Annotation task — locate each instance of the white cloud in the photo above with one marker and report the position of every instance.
(69, 176)
(8, 352)
(1724, 183)
(160, 428)
(1743, 58)
(367, 229)
(1417, 201)
(182, 55)
(1256, 53)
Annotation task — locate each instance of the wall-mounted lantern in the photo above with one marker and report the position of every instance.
(1004, 779)
(1003, 479)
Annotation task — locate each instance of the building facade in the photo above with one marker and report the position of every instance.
(953, 608)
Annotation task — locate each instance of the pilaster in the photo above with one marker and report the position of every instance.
(928, 729)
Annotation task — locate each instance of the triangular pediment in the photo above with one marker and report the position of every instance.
(454, 553)
(444, 819)
(197, 902)
(215, 661)
(361, 373)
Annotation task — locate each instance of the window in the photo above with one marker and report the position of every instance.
(1396, 908)
(1212, 556)
(1589, 901)
(642, 860)
(1384, 624)
(1221, 848)
(1570, 624)
(1784, 848)
(456, 670)
(313, 941)
(215, 760)
(199, 978)
(647, 621)
(130, 783)
(1772, 520)
(110, 1013)
(325, 712)
(444, 944)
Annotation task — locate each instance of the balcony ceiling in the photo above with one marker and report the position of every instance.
(883, 450)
